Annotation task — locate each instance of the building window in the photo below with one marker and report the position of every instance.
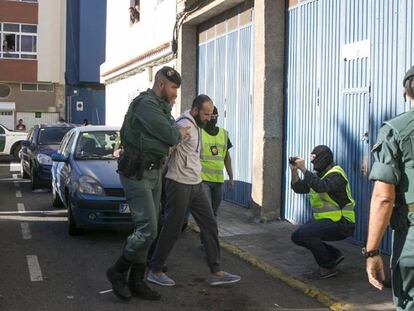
(37, 87)
(134, 11)
(18, 40)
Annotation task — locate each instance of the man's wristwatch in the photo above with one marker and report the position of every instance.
(373, 253)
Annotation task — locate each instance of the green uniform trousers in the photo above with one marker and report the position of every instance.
(143, 197)
(402, 266)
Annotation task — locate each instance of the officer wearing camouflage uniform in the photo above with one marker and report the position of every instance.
(392, 202)
(147, 134)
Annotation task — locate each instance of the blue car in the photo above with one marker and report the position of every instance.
(85, 181)
(42, 140)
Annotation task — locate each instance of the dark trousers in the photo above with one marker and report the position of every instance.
(313, 234)
(402, 263)
(179, 197)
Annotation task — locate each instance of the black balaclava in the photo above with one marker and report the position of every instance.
(323, 157)
(211, 125)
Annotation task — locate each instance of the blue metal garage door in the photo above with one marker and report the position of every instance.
(225, 72)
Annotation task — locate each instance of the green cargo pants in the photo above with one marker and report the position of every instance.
(143, 197)
(402, 266)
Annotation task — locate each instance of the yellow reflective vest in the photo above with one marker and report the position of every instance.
(324, 207)
(212, 154)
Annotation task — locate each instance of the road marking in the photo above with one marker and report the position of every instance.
(14, 167)
(26, 231)
(16, 183)
(105, 291)
(34, 268)
(18, 194)
(20, 207)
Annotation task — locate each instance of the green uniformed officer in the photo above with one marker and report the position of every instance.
(147, 134)
(392, 202)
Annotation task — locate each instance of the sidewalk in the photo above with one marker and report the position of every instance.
(269, 247)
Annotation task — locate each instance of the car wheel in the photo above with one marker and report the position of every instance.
(23, 172)
(16, 152)
(72, 227)
(56, 201)
(34, 179)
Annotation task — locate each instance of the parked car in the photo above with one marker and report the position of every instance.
(10, 141)
(85, 181)
(42, 140)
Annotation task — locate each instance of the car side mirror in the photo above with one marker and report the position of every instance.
(26, 143)
(58, 157)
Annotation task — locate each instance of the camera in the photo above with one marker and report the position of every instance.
(292, 160)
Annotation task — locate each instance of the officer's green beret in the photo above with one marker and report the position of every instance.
(409, 74)
(171, 74)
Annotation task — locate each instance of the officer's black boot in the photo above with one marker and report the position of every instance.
(117, 275)
(137, 286)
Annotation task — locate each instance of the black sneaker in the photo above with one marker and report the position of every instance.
(119, 283)
(321, 273)
(143, 291)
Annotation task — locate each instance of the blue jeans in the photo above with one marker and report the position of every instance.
(214, 191)
(313, 234)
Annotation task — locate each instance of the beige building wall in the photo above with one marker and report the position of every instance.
(51, 38)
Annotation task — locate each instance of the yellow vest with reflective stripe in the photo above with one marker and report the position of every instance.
(323, 207)
(213, 152)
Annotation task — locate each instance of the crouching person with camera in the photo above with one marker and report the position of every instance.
(332, 208)
(147, 134)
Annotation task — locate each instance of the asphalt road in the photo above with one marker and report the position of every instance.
(43, 268)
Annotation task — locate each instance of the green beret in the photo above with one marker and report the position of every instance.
(171, 74)
(409, 74)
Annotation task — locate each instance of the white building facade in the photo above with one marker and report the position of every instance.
(135, 50)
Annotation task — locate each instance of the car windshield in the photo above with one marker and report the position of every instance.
(96, 145)
(52, 135)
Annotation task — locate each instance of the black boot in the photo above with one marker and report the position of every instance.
(137, 286)
(117, 275)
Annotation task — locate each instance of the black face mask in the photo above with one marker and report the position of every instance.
(211, 126)
(323, 158)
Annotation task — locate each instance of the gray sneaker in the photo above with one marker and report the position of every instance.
(227, 278)
(161, 279)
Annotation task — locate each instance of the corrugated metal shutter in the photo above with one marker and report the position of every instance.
(341, 98)
(225, 72)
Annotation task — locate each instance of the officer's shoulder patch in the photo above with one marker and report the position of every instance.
(376, 147)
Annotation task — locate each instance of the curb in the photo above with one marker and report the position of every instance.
(309, 290)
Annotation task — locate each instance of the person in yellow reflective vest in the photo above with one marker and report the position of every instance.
(332, 209)
(215, 156)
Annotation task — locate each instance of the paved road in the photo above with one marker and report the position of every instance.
(43, 268)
